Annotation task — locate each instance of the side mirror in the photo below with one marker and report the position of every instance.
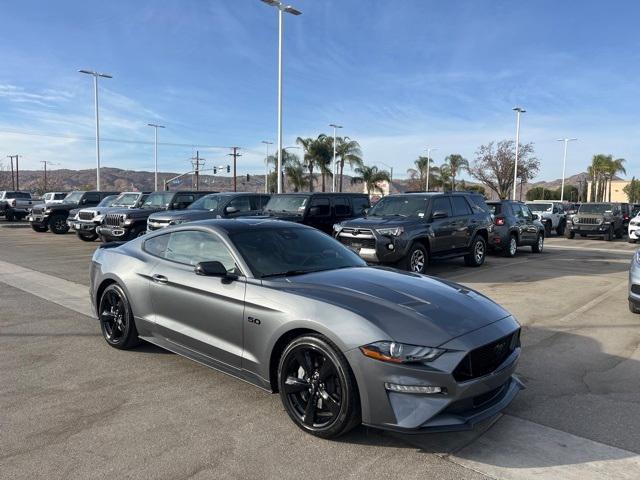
(211, 269)
(439, 214)
(83, 201)
(230, 210)
(535, 216)
(365, 211)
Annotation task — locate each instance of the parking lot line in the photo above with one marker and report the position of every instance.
(589, 249)
(54, 289)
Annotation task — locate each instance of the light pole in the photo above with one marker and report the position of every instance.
(518, 111)
(282, 8)
(333, 184)
(266, 167)
(95, 88)
(564, 163)
(429, 150)
(155, 153)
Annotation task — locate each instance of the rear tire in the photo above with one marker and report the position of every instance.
(58, 224)
(547, 228)
(116, 318)
(417, 259)
(539, 245)
(631, 240)
(609, 235)
(317, 387)
(478, 252)
(571, 235)
(512, 248)
(9, 217)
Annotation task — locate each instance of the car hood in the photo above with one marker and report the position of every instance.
(137, 212)
(170, 215)
(289, 217)
(410, 308)
(376, 222)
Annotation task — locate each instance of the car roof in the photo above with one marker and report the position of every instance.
(306, 194)
(231, 225)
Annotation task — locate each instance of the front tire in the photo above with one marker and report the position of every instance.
(116, 318)
(317, 387)
(561, 227)
(539, 245)
(39, 229)
(417, 259)
(58, 224)
(9, 217)
(87, 237)
(609, 235)
(571, 235)
(478, 252)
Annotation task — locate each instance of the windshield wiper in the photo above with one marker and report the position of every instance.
(288, 273)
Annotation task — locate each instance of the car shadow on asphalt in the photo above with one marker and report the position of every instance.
(575, 391)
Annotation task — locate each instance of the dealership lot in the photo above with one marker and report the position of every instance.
(74, 408)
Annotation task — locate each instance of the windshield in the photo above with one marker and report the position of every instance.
(73, 197)
(126, 200)
(292, 204)
(108, 201)
(539, 207)
(399, 206)
(18, 195)
(208, 202)
(158, 200)
(595, 208)
(289, 251)
(59, 196)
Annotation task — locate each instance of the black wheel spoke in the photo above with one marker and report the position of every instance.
(310, 411)
(330, 403)
(295, 385)
(326, 369)
(304, 359)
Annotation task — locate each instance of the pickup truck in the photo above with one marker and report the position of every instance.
(16, 205)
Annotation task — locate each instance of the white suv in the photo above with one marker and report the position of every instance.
(551, 213)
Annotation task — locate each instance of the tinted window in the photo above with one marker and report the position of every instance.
(275, 251)
(460, 206)
(209, 202)
(341, 206)
(158, 200)
(127, 199)
(241, 203)
(18, 195)
(540, 207)
(359, 204)
(287, 204)
(322, 204)
(59, 196)
(108, 201)
(92, 198)
(156, 245)
(441, 204)
(495, 208)
(478, 205)
(518, 212)
(191, 247)
(405, 206)
(184, 200)
(264, 199)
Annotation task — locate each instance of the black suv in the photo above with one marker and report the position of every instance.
(411, 229)
(601, 219)
(54, 217)
(128, 223)
(319, 210)
(514, 226)
(215, 205)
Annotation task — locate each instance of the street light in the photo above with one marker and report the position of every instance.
(518, 111)
(95, 88)
(266, 167)
(333, 184)
(429, 150)
(282, 8)
(155, 154)
(564, 163)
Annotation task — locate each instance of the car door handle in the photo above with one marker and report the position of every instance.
(159, 278)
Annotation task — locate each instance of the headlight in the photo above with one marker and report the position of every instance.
(128, 221)
(337, 227)
(395, 352)
(47, 211)
(391, 231)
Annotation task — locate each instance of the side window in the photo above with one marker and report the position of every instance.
(359, 205)
(91, 199)
(254, 201)
(241, 203)
(157, 245)
(526, 212)
(264, 199)
(191, 247)
(341, 207)
(320, 206)
(518, 210)
(441, 204)
(184, 200)
(460, 206)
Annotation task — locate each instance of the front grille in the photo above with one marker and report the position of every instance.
(37, 210)
(484, 360)
(479, 402)
(86, 215)
(588, 220)
(113, 219)
(356, 242)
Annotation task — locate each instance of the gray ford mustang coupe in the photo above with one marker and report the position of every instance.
(291, 310)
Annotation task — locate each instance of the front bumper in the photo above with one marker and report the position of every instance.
(112, 232)
(600, 229)
(464, 404)
(634, 283)
(634, 232)
(39, 220)
(373, 247)
(82, 226)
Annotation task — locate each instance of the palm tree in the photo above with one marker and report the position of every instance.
(419, 172)
(348, 151)
(287, 158)
(309, 159)
(456, 163)
(613, 168)
(371, 177)
(601, 172)
(295, 175)
(445, 176)
(318, 153)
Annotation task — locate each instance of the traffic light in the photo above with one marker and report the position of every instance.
(248, 177)
(228, 169)
(215, 170)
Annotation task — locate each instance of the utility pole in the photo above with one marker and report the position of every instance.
(196, 162)
(13, 181)
(519, 111)
(235, 156)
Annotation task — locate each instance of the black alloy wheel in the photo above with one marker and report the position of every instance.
(58, 224)
(317, 387)
(116, 319)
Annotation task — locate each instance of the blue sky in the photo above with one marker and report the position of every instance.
(398, 75)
